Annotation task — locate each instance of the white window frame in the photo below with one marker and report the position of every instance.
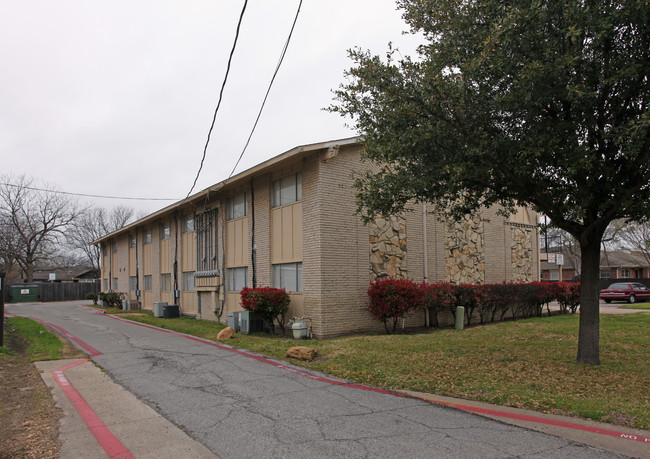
(287, 190)
(187, 223)
(236, 207)
(237, 278)
(187, 281)
(165, 231)
(165, 282)
(287, 276)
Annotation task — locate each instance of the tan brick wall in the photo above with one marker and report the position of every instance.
(336, 245)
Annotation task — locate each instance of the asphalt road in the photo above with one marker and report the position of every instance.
(239, 406)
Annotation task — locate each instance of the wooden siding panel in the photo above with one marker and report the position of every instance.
(286, 233)
(237, 242)
(188, 252)
(165, 256)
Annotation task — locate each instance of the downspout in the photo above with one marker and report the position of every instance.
(253, 246)
(425, 258)
(137, 269)
(177, 299)
(110, 267)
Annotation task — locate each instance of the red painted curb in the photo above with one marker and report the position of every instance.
(109, 442)
(460, 406)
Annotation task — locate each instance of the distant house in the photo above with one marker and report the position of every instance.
(74, 274)
(290, 222)
(613, 265)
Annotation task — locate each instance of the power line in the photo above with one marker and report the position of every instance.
(87, 195)
(259, 114)
(223, 85)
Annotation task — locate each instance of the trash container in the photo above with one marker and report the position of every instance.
(171, 311)
(24, 293)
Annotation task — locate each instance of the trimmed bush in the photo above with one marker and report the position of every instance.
(93, 296)
(271, 304)
(568, 297)
(111, 299)
(438, 297)
(391, 299)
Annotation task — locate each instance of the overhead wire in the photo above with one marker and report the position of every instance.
(87, 195)
(223, 85)
(259, 114)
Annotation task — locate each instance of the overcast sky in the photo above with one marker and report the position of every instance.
(116, 97)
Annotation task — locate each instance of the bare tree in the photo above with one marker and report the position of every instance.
(34, 219)
(93, 224)
(635, 236)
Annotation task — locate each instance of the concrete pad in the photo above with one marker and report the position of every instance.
(138, 427)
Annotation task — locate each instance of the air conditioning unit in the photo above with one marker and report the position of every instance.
(249, 322)
(158, 308)
(234, 320)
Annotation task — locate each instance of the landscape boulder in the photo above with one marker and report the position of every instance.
(301, 353)
(226, 333)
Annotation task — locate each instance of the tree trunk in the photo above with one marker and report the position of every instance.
(588, 336)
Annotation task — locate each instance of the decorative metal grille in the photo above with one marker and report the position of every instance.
(207, 246)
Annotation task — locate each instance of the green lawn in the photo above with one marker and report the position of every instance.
(41, 344)
(636, 306)
(527, 364)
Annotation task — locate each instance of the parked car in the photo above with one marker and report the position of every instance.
(625, 291)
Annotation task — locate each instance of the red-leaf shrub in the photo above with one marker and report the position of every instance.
(271, 304)
(391, 299)
(438, 297)
(568, 296)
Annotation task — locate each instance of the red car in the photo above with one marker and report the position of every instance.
(625, 291)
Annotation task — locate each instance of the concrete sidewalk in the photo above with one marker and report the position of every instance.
(146, 434)
(142, 431)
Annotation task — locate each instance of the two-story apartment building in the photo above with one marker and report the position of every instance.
(290, 222)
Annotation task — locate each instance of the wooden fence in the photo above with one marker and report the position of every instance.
(58, 291)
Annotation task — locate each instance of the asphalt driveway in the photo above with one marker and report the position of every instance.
(240, 405)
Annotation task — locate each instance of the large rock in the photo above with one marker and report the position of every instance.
(226, 333)
(301, 352)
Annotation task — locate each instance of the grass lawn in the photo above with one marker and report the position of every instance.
(41, 344)
(636, 306)
(527, 364)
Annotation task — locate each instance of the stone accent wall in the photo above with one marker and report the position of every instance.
(465, 251)
(388, 248)
(522, 252)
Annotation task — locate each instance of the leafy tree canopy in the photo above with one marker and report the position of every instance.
(538, 103)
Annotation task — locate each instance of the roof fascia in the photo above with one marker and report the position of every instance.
(295, 152)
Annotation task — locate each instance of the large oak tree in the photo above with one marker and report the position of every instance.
(540, 103)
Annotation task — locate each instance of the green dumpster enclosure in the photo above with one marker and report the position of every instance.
(24, 293)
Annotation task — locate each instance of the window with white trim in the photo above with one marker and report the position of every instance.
(625, 273)
(188, 281)
(287, 190)
(236, 278)
(287, 276)
(165, 282)
(165, 231)
(187, 223)
(236, 207)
